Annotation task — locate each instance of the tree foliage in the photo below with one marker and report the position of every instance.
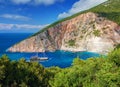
(22, 74)
(93, 72)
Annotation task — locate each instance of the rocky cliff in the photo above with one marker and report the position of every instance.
(86, 32)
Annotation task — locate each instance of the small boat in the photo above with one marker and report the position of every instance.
(36, 58)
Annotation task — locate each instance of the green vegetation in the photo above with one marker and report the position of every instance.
(71, 43)
(109, 10)
(117, 46)
(93, 72)
(96, 33)
(81, 37)
(22, 74)
(84, 31)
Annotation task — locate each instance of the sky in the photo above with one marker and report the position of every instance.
(30, 16)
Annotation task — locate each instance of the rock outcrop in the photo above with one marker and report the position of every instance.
(86, 32)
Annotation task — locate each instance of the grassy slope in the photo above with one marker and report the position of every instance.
(109, 9)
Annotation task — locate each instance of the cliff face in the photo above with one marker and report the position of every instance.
(86, 32)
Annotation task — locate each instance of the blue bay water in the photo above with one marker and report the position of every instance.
(58, 58)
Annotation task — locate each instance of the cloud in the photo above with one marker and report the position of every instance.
(15, 17)
(6, 26)
(27, 26)
(36, 2)
(21, 1)
(20, 26)
(80, 5)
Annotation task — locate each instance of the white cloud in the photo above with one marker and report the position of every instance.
(81, 5)
(6, 26)
(15, 17)
(36, 2)
(27, 26)
(21, 1)
(20, 26)
(46, 2)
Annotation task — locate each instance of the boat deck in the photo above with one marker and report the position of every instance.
(38, 58)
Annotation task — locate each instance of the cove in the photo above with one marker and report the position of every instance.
(58, 58)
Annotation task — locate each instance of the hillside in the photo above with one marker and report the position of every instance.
(95, 30)
(109, 10)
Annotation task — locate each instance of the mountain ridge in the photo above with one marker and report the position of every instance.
(86, 31)
(93, 9)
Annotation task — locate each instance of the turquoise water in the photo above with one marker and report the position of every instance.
(58, 58)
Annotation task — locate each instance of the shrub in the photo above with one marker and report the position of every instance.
(114, 56)
(71, 43)
(96, 33)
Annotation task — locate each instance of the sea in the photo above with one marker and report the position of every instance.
(58, 58)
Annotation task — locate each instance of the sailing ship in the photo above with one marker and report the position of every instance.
(37, 58)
